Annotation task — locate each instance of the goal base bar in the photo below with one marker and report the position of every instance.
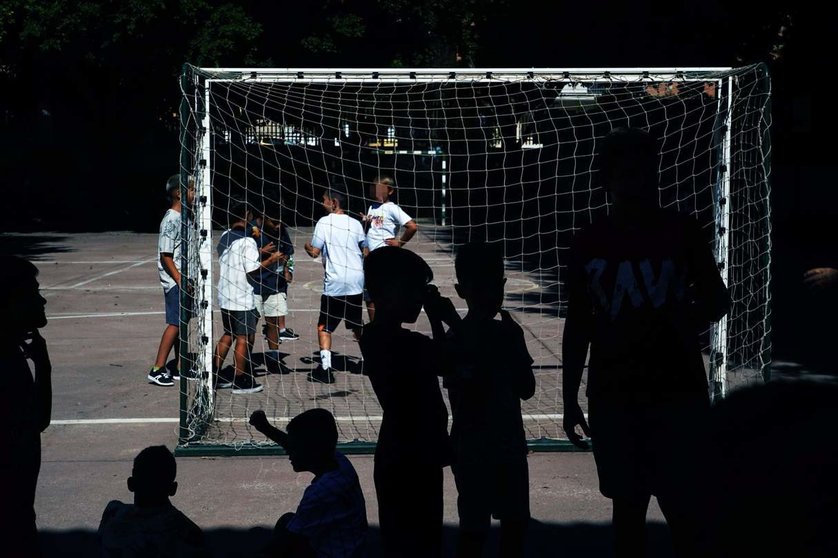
(540, 445)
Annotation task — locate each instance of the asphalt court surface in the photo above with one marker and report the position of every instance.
(105, 310)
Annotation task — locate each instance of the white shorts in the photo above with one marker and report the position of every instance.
(272, 306)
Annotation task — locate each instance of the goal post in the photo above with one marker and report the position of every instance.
(476, 154)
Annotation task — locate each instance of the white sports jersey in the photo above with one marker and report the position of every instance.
(385, 220)
(339, 237)
(168, 243)
(238, 256)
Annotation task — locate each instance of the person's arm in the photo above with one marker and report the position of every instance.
(403, 220)
(523, 375)
(315, 246)
(575, 342)
(36, 351)
(708, 296)
(311, 250)
(168, 261)
(440, 310)
(260, 422)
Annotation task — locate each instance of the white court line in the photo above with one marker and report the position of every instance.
(103, 315)
(91, 262)
(377, 418)
(142, 288)
(102, 276)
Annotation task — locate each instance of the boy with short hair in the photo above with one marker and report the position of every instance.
(485, 391)
(404, 368)
(168, 268)
(642, 283)
(151, 526)
(383, 220)
(238, 261)
(340, 239)
(331, 519)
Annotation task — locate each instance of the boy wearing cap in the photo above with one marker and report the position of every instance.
(383, 221)
(168, 268)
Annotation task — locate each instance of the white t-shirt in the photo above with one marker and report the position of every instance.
(238, 256)
(339, 237)
(385, 219)
(169, 243)
(332, 514)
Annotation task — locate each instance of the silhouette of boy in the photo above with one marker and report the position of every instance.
(485, 391)
(642, 284)
(25, 402)
(404, 368)
(331, 519)
(151, 526)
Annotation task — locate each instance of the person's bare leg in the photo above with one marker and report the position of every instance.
(240, 354)
(629, 520)
(272, 331)
(167, 342)
(222, 349)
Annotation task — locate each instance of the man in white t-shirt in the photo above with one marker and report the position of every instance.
(238, 258)
(168, 268)
(340, 240)
(383, 221)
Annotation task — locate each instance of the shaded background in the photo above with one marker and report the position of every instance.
(89, 94)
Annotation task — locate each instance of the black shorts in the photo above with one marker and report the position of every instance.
(334, 309)
(643, 450)
(239, 322)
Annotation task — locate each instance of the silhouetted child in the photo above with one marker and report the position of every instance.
(25, 403)
(331, 519)
(493, 374)
(642, 284)
(151, 526)
(404, 369)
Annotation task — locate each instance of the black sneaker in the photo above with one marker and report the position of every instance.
(321, 375)
(288, 335)
(160, 377)
(171, 366)
(224, 378)
(246, 384)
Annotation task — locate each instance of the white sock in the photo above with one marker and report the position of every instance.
(326, 359)
(283, 329)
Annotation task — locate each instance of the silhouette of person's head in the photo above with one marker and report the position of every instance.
(21, 303)
(628, 167)
(480, 279)
(312, 439)
(397, 281)
(152, 479)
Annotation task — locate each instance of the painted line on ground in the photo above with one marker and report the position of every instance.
(101, 276)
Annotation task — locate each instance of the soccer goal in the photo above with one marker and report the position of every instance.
(476, 154)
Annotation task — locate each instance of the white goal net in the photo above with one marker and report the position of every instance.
(501, 155)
